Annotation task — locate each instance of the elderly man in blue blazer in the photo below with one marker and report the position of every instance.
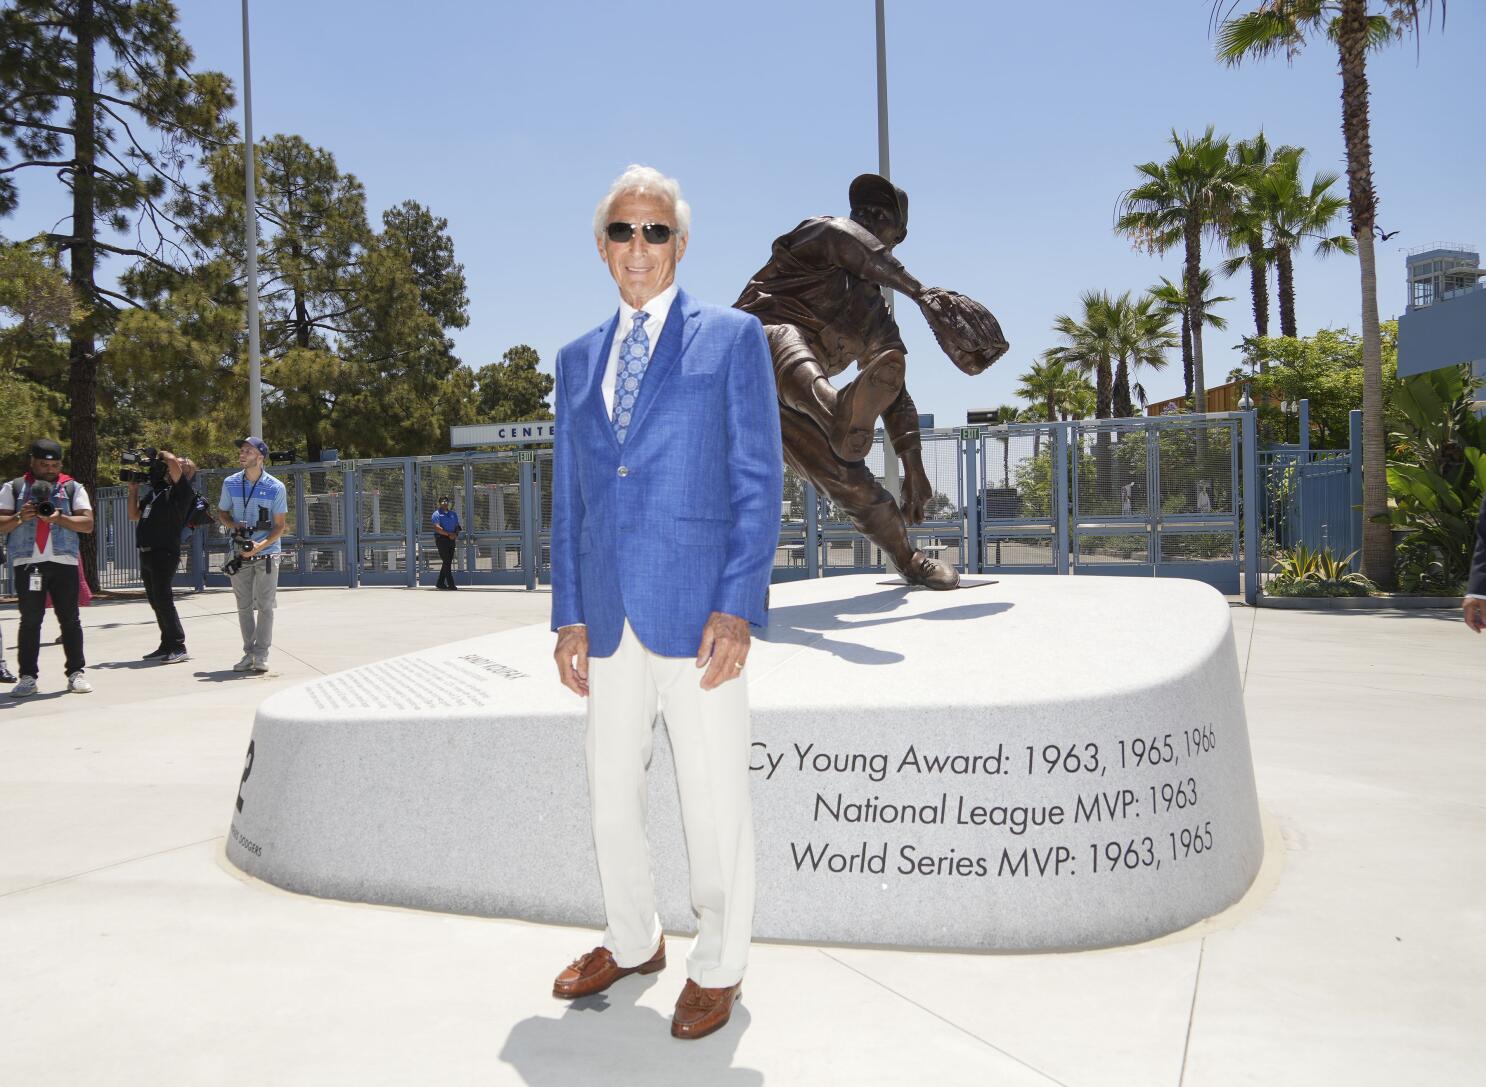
(666, 486)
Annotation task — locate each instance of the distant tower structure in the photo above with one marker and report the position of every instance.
(1444, 322)
(1441, 271)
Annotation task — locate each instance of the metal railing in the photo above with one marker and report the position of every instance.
(1158, 496)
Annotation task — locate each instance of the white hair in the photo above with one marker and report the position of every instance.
(644, 179)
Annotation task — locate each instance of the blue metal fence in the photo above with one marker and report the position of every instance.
(1148, 496)
(1312, 497)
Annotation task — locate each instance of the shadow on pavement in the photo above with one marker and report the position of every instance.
(609, 1038)
(811, 624)
(227, 675)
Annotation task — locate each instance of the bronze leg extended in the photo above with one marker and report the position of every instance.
(850, 484)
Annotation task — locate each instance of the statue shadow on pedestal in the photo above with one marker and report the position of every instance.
(609, 1038)
(811, 625)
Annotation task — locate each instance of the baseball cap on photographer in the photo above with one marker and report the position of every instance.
(46, 449)
(257, 443)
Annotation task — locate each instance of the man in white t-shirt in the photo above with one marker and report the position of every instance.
(44, 512)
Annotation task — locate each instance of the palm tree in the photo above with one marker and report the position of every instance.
(1089, 346)
(1284, 26)
(1191, 195)
(1048, 385)
(1142, 336)
(1172, 301)
(1081, 403)
(1247, 233)
(1301, 212)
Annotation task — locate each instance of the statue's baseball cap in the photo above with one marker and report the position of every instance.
(876, 189)
(46, 449)
(257, 443)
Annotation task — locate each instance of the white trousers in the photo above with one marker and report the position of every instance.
(710, 743)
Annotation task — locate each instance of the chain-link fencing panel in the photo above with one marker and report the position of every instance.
(1197, 466)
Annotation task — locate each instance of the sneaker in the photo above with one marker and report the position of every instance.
(78, 683)
(260, 666)
(6, 675)
(244, 665)
(175, 656)
(24, 687)
(156, 654)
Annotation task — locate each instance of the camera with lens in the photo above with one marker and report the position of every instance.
(242, 543)
(41, 497)
(138, 465)
(282, 456)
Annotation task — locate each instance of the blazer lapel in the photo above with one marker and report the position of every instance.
(681, 326)
(598, 362)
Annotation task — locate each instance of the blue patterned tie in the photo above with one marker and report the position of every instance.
(634, 355)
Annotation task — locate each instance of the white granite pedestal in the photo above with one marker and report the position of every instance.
(1042, 763)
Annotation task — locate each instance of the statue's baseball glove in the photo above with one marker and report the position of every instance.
(965, 329)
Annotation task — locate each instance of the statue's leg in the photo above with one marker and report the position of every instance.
(853, 487)
(861, 404)
(881, 360)
(801, 379)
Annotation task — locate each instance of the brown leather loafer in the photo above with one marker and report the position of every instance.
(596, 971)
(700, 1011)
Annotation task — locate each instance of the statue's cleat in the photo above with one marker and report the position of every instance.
(861, 404)
(930, 573)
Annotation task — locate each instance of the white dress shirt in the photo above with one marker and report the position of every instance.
(655, 310)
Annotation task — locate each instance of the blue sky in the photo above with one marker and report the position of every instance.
(1014, 129)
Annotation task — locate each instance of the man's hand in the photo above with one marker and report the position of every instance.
(725, 641)
(1475, 614)
(27, 512)
(916, 493)
(572, 659)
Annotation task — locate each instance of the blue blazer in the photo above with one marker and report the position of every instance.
(683, 519)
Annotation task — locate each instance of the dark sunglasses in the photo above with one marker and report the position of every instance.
(655, 233)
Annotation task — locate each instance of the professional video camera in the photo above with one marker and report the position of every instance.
(41, 497)
(137, 464)
(242, 543)
(281, 456)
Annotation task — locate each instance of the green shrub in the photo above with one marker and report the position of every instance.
(1305, 571)
(1436, 475)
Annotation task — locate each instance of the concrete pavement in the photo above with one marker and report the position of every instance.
(131, 953)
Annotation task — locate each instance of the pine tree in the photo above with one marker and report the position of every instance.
(99, 94)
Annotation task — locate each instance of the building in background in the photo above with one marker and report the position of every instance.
(1444, 323)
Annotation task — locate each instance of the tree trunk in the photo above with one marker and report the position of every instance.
(1103, 391)
(1377, 534)
(1193, 238)
(1286, 269)
(1187, 351)
(1259, 288)
(1123, 408)
(82, 391)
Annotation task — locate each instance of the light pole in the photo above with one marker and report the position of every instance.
(255, 377)
(890, 479)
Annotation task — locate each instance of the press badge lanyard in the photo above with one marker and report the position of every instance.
(248, 495)
(35, 579)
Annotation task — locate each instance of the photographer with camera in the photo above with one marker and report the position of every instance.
(162, 519)
(44, 512)
(254, 506)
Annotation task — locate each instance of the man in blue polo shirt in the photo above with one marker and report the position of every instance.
(256, 501)
(445, 532)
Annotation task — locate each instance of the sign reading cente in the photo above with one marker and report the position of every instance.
(466, 437)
